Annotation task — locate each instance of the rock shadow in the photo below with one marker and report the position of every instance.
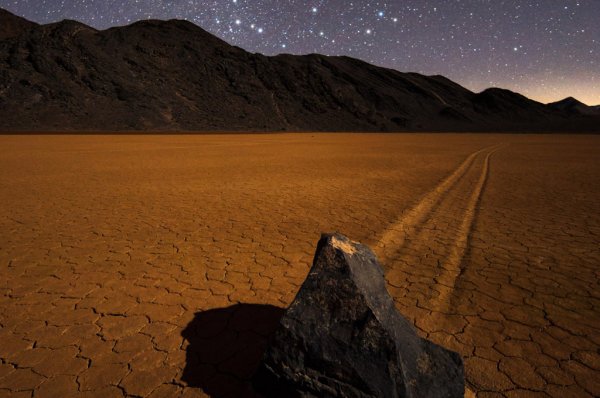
(225, 346)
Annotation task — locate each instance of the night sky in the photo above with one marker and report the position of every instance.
(547, 49)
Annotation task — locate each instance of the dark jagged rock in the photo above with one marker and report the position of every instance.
(343, 337)
(174, 76)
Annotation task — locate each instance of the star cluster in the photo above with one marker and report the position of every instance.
(546, 49)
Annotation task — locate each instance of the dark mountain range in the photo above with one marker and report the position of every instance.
(172, 75)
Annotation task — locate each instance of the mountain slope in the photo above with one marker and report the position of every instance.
(12, 25)
(172, 75)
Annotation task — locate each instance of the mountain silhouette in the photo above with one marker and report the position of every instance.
(174, 76)
(572, 106)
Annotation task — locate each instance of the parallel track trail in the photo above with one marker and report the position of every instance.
(427, 245)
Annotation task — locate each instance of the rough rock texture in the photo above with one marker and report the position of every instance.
(343, 337)
(174, 76)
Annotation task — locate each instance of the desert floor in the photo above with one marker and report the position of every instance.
(155, 266)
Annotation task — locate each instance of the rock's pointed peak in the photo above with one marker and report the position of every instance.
(361, 265)
(342, 245)
(342, 336)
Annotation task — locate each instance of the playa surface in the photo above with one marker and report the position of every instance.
(157, 266)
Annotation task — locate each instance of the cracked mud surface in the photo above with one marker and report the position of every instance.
(156, 266)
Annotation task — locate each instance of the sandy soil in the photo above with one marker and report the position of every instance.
(155, 266)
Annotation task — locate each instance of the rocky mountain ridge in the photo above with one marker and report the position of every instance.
(174, 76)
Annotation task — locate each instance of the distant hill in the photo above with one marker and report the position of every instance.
(571, 106)
(174, 76)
